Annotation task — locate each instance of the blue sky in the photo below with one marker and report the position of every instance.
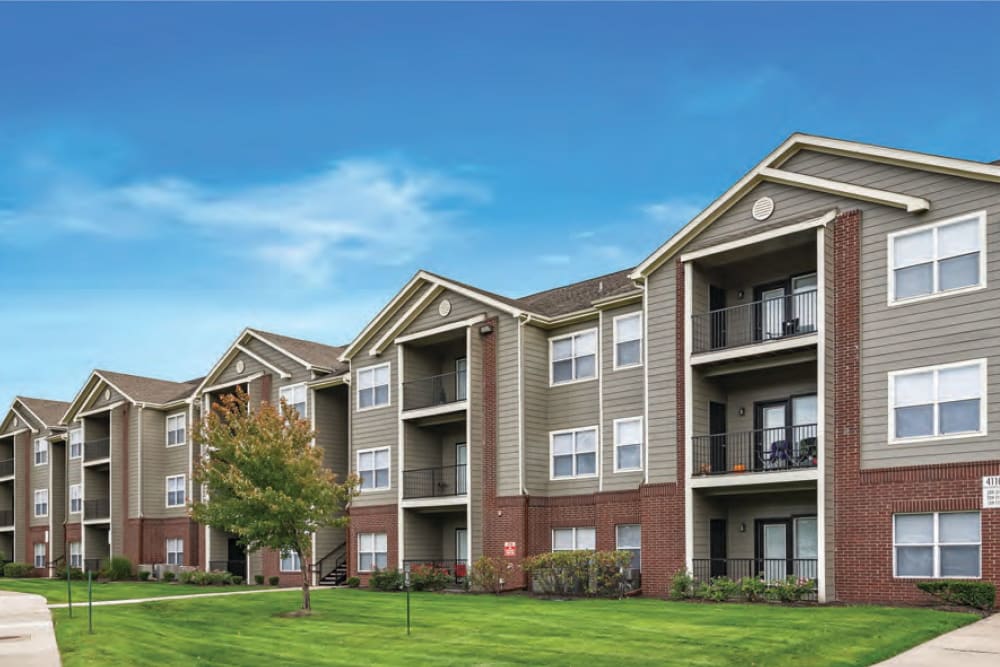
(172, 173)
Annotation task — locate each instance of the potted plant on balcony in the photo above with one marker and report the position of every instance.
(705, 469)
(739, 467)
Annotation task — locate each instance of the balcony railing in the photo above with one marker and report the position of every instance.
(237, 567)
(97, 509)
(6, 518)
(762, 450)
(769, 569)
(435, 482)
(755, 322)
(95, 450)
(457, 569)
(434, 390)
(6, 468)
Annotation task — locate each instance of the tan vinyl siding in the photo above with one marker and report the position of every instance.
(58, 498)
(622, 398)
(662, 374)
(117, 480)
(508, 422)
(462, 308)
(99, 400)
(159, 463)
(134, 463)
(474, 449)
(535, 359)
(39, 480)
(377, 427)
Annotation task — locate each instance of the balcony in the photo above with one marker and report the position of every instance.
(7, 468)
(771, 319)
(96, 450)
(6, 518)
(434, 391)
(442, 482)
(96, 509)
(769, 569)
(761, 450)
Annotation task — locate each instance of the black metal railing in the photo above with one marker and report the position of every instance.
(97, 509)
(330, 561)
(755, 322)
(458, 570)
(93, 564)
(434, 390)
(237, 567)
(95, 450)
(6, 467)
(762, 450)
(768, 569)
(435, 482)
(6, 518)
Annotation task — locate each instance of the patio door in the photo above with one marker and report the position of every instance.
(461, 468)
(772, 433)
(717, 548)
(804, 302)
(717, 436)
(717, 319)
(461, 546)
(461, 379)
(774, 544)
(771, 317)
(806, 547)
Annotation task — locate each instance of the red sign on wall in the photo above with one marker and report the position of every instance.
(509, 549)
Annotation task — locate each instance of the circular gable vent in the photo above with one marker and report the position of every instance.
(240, 366)
(763, 208)
(444, 308)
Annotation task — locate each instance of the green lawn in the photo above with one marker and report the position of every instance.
(361, 627)
(54, 590)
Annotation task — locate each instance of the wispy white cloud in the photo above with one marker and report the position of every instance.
(554, 259)
(671, 212)
(722, 94)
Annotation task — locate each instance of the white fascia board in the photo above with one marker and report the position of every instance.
(451, 326)
(884, 197)
(411, 314)
(792, 228)
(277, 348)
(283, 374)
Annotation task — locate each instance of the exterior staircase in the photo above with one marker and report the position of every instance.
(332, 568)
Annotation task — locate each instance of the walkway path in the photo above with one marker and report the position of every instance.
(106, 603)
(26, 635)
(976, 645)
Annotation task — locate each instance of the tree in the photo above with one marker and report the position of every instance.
(265, 480)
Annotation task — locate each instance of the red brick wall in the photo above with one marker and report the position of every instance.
(37, 534)
(146, 540)
(271, 567)
(375, 519)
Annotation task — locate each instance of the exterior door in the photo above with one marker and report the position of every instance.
(772, 433)
(806, 547)
(804, 416)
(774, 543)
(461, 379)
(461, 468)
(717, 319)
(461, 548)
(236, 557)
(772, 312)
(717, 550)
(717, 436)
(804, 303)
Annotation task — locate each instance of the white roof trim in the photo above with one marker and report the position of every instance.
(27, 422)
(821, 221)
(77, 404)
(285, 352)
(263, 362)
(402, 322)
(12, 434)
(451, 326)
(97, 411)
(884, 197)
(230, 383)
(325, 382)
(32, 412)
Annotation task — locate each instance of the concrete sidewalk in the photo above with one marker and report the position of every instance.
(164, 598)
(26, 635)
(976, 645)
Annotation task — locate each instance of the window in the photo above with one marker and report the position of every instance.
(628, 340)
(39, 554)
(41, 451)
(938, 258)
(295, 396)
(290, 562)
(176, 430)
(75, 499)
(76, 443)
(373, 552)
(572, 539)
(175, 491)
(936, 545)
(938, 401)
(373, 387)
(175, 551)
(41, 502)
(628, 444)
(574, 453)
(373, 468)
(574, 357)
(628, 537)
(75, 555)
(461, 379)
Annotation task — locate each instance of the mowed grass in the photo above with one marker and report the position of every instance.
(54, 590)
(352, 627)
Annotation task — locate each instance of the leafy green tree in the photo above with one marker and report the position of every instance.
(265, 480)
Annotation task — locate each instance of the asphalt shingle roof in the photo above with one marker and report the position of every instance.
(150, 390)
(50, 412)
(317, 354)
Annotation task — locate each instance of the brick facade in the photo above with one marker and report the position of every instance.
(374, 519)
(146, 540)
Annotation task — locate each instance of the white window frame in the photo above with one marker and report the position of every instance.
(357, 468)
(292, 388)
(614, 338)
(357, 390)
(573, 336)
(374, 554)
(43, 555)
(183, 490)
(174, 417)
(574, 431)
(642, 445)
(293, 558)
(979, 216)
(576, 537)
(44, 494)
(178, 554)
(618, 540)
(78, 434)
(78, 499)
(42, 450)
(936, 545)
(983, 413)
(76, 555)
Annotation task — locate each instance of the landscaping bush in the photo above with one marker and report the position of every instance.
(258, 579)
(428, 578)
(119, 568)
(487, 574)
(169, 576)
(976, 594)
(237, 580)
(273, 580)
(720, 589)
(353, 582)
(682, 585)
(213, 578)
(18, 570)
(792, 589)
(590, 573)
(144, 575)
(75, 573)
(386, 580)
(753, 589)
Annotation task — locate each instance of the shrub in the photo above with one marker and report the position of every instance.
(169, 576)
(258, 579)
(792, 589)
(144, 575)
(976, 594)
(488, 574)
(237, 580)
(682, 585)
(119, 568)
(753, 589)
(428, 578)
(17, 570)
(386, 580)
(720, 589)
(590, 573)
(273, 580)
(75, 573)
(353, 582)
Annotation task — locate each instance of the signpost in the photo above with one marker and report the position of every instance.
(69, 589)
(510, 549)
(406, 583)
(90, 602)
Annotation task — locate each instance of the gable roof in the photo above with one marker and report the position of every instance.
(580, 295)
(142, 389)
(48, 412)
(769, 169)
(322, 356)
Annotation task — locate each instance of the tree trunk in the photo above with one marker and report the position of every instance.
(306, 602)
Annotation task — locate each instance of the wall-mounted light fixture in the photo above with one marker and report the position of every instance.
(485, 329)
(739, 294)
(742, 411)
(743, 527)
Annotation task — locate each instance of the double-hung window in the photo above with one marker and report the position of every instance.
(373, 468)
(373, 552)
(39, 554)
(75, 555)
(75, 499)
(290, 562)
(628, 537)
(373, 387)
(41, 502)
(628, 444)
(176, 429)
(175, 551)
(76, 443)
(573, 357)
(938, 401)
(574, 453)
(937, 258)
(628, 340)
(175, 491)
(295, 396)
(939, 544)
(41, 451)
(573, 539)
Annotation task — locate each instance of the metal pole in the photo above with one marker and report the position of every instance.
(69, 589)
(90, 601)
(406, 583)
